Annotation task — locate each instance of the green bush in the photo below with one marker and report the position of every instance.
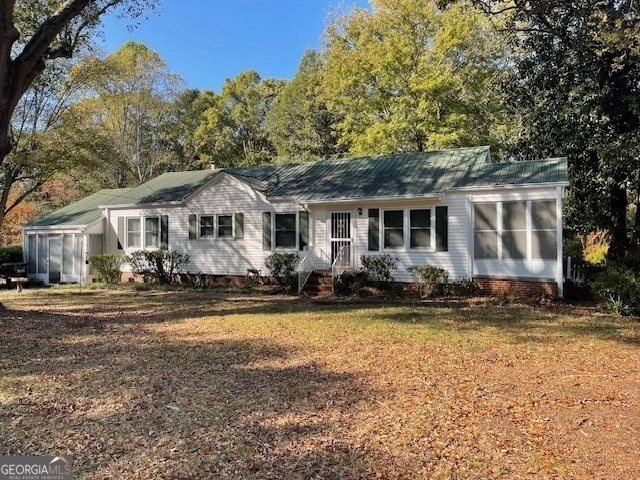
(345, 284)
(161, 266)
(466, 287)
(11, 254)
(618, 286)
(379, 268)
(431, 280)
(283, 268)
(107, 266)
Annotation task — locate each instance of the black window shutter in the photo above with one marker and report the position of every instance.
(193, 226)
(266, 230)
(303, 228)
(120, 232)
(442, 229)
(374, 230)
(238, 218)
(164, 232)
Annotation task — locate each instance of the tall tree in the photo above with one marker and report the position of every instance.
(409, 76)
(299, 122)
(575, 85)
(233, 130)
(40, 150)
(34, 32)
(128, 105)
(187, 116)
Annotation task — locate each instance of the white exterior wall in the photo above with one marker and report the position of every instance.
(455, 261)
(230, 256)
(213, 256)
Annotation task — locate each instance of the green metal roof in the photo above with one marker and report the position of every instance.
(383, 176)
(81, 213)
(401, 175)
(166, 188)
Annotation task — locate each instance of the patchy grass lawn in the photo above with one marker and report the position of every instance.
(158, 384)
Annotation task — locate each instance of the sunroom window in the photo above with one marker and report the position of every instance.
(485, 231)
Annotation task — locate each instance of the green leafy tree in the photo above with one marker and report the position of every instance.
(233, 130)
(574, 84)
(33, 33)
(299, 123)
(409, 76)
(40, 149)
(121, 124)
(187, 116)
(37, 39)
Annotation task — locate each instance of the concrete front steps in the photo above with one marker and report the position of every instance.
(318, 284)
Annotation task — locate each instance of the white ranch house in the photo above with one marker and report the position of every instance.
(454, 209)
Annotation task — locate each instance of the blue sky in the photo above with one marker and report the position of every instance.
(208, 41)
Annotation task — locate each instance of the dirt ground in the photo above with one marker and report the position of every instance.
(156, 384)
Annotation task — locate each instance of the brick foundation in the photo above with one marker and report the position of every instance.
(205, 280)
(517, 287)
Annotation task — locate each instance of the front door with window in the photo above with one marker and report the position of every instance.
(340, 240)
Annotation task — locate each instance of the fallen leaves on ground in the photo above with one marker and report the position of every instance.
(157, 384)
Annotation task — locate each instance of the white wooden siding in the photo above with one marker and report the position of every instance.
(455, 261)
(214, 256)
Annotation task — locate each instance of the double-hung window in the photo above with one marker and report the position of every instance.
(225, 226)
(207, 229)
(394, 229)
(285, 230)
(152, 232)
(133, 232)
(420, 225)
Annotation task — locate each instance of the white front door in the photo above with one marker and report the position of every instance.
(341, 237)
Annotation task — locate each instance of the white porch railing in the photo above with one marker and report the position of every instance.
(342, 262)
(313, 260)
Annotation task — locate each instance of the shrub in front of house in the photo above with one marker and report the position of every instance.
(431, 280)
(345, 283)
(282, 267)
(161, 266)
(618, 286)
(379, 268)
(107, 266)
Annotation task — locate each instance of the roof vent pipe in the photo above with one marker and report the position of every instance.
(213, 165)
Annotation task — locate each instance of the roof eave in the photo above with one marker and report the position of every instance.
(509, 186)
(54, 227)
(357, 199)
(129, 206)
